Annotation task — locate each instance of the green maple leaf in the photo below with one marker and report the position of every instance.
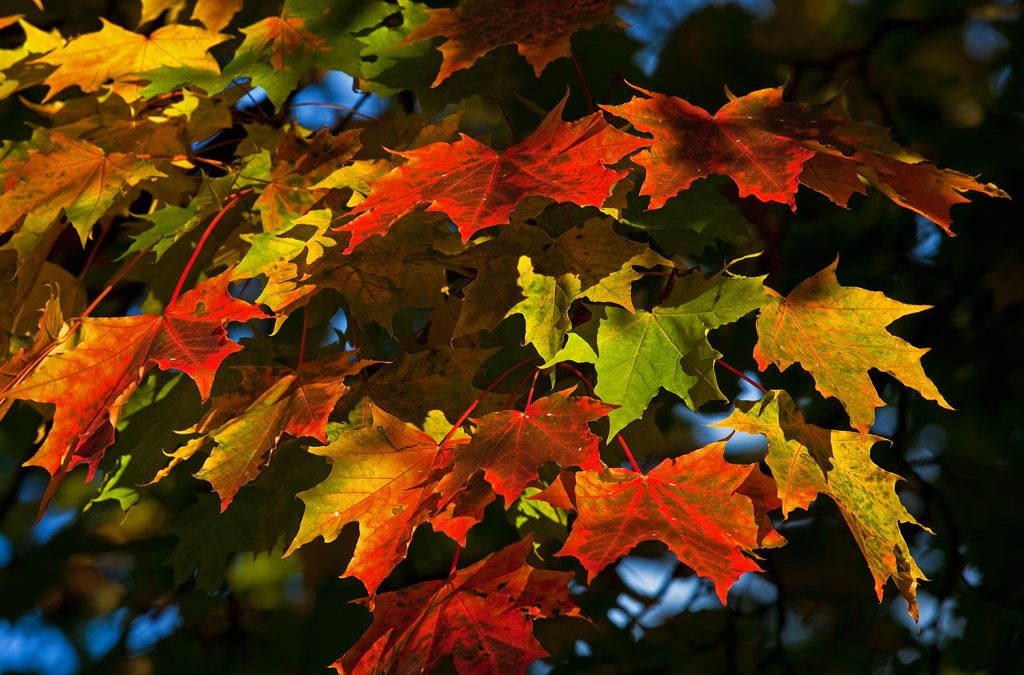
(545, 307)
(666, 348)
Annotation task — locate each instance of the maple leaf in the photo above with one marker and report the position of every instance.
(545, 307)
(246, 426)
(435, 379)
(509, 445)
(291, 171)
(171, 223)
(383, 275)
(113, 53)
(69, 174)
(541, 30)
(769, 146)
(15, 73)
(378, 479)
(216, 14)
(837, 333)
(919, 186)
(481, 616)
(639, 353)
(90, 382)
(807, 461)
(603, 261)
(689, 143)
(280, 49)
(692, 503)
(478, 187)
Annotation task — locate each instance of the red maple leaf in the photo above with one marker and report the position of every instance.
(769, 146)
(540, 29)
(481, 616)
(690, 143)
(90, 382)
(509, 445)
(694, 504)
(478, 187)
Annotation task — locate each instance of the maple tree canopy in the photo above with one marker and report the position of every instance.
(438, 344)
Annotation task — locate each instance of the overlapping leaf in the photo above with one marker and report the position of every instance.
(541, 30)
(246, 425)
(113, 53)
(689, 143)
(379, 479)
(482, 617)
(693, 504)
(66, 174)
(769, 146)
(639, 353)
(280, 49)
(603, 261)
(837, 334)
(807, 461)
(478, 187)
(509, 446)
(545, 307)
(92, 380)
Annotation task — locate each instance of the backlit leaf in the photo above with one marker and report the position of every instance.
(837, 334)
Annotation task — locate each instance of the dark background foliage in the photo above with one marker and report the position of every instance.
(101, 593)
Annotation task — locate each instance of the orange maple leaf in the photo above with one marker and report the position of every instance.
(90, 382)
(478, 187)
(694, 504)
(69, 174)
(380, 478)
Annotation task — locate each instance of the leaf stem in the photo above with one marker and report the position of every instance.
(583, 82)
(95, 249)
(740, 374)
(352, 111)
(455, 562)
(568, 216)
(529, 396)
(355, 111)
(302, 340)
(629, 453)
(508, 119)
(192, 158)
(515, 390)
(122, 273)
(202, 240)
(617, 79)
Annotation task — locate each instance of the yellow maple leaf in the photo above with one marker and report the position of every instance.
(118, 55)
(69, 174)
(837, 333)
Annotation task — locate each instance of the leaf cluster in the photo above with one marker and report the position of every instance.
(469, 307)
